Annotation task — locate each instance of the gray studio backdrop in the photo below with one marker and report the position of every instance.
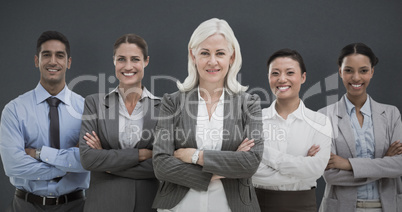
(317, 29)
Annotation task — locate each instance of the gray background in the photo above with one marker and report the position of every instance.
(317, 29)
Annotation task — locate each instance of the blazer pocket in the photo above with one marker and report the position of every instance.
(166, 188)
(329, 205)
(245, 191)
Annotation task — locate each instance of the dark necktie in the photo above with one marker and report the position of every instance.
(54, 129)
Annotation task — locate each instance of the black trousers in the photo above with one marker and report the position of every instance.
(20, 205)
(286, 201)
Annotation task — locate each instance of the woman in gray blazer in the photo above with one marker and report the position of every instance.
(363, 173)
(203, 124)
(117, 135)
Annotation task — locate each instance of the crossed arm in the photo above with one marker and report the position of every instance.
(185, 154)
(143, 170)
(130, 163)
(174, 165)
(279, 168)
(354, 172)
(338, 162)
(19, 160)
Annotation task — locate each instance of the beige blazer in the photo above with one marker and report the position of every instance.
(341, 188)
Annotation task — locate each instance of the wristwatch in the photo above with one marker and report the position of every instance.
(195, 156)
(37, 153)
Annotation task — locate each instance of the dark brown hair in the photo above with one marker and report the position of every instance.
(134, 39)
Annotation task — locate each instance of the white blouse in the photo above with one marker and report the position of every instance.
(130, 126)
(285, 165)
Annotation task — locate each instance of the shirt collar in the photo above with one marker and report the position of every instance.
(42, 94)
(145, 93)
(366, 109)
(221, 98)
(298, 112)
(271, 112)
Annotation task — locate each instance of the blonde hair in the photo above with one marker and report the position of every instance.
(203, 31)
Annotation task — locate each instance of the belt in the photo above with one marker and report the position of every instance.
(32, 198)
(368, 204)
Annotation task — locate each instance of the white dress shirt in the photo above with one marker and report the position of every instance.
(285, 165)
(208, 137)
(130, 126)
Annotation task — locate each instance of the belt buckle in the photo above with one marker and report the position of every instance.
(44, 200)
(368, 204)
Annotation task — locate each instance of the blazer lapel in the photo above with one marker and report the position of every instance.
(231, 115)
(345, 126)
(149, 115)
(111, 120)
(379, 125)
(189, 107)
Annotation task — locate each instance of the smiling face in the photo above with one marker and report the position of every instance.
(52, 62)
(356, 73)
(212, 59)
(129, 65)
(285, 78)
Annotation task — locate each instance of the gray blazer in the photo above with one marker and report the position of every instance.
(341, 188)
(131, 185)
(176, 129)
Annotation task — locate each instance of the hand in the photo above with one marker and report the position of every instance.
(184, 154)
(93, 141)
(338, 162)
(31, 152)
(144, 154)
(216, 177)
(394, 149)
(245, 145)
(313, 150)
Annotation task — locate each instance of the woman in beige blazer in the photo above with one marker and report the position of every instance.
(201, 127)
(117, 135)
(363, 173)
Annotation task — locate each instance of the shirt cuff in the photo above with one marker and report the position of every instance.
(48, 154)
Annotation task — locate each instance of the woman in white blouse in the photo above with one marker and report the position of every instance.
(297, 141)
(203, 124)
(117, 135)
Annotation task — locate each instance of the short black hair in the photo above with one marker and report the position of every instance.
(52, 35)
(357, 48)
(292, 54)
